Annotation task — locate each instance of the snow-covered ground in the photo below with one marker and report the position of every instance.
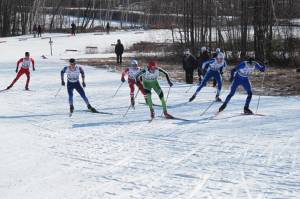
(46, 154)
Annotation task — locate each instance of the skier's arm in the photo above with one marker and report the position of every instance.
(33, 63)
(233, 71)
(62, 75)
(260, 67)
(137, 76)
(82, 76)
(18, 63)
(167, 75)
(123, 74)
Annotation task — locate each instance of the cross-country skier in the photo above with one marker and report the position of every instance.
(73, 71)
(132, 71)
(150, 81)
(25, 63)
(214, 69)
(240, 76)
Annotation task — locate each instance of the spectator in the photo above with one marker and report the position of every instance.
(34, 30)
(189, 63)
(39, 31)
(73, 29)
(107, 28)
(203, 57)
(119, 50)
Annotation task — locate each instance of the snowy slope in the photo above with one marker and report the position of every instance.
(46, 154)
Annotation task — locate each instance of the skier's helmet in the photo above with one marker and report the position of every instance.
(203, 49)
(152, 65)
(220, 57)
(72, 61)
(27, 54)
(134, 63)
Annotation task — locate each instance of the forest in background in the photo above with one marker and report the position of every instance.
(269, 29)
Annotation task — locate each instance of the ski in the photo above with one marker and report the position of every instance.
(3, 90)
(175, 118)
(235, 115)
(99, 112)
(153, 104)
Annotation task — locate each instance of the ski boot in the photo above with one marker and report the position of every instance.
(132, 102)
(222, 107)
(9, 87)
(218, 99)
(26, 88)
(247, 111)
(167, 115)
(192, 98)
(152, 114)
(71, 109)
(92, 109)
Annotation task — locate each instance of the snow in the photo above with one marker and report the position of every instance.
(46, 154)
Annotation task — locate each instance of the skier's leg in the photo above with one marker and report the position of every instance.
(247, 86)
(218, 79)
(234, 86)
(81, 92)
(20, 73)
(141, 87)
(204, 81)
(28, 79)
(160, 93)
(70, 87)
(131, 86)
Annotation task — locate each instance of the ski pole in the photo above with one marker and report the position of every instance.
(207, 108)
(189, 88)
(118, 89)
(58, 92)
(130, 104)
(262, 86)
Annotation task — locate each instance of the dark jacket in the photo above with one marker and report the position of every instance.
(189, 62)
(119, 49)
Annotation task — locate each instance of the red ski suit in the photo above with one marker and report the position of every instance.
(131, 72)
(25, 69)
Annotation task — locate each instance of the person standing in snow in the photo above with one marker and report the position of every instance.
(73, 72)
(107, 28)
(25, 63)
(73, 29)
(119, 50)
(204, 57)
(34, 30)
(214, 69)
(240, 76)
(189, 63)
(132, 71)
(150, 77)
(39, 31)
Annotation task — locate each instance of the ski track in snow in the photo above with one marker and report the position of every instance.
(46, 154)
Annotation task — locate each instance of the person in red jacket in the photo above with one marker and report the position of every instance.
(25, 63)
(131, 71)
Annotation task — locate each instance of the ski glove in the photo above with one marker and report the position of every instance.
(63, 83)
(170, 84)
(83, 84)
(123, 79)
(16, 70)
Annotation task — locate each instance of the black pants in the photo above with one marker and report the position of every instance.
(189, 76)
(119, 58)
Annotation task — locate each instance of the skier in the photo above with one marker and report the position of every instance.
(150, 81)
(25, 63)
(73, 71)
(189, 63)
(119, 50)
(132, 71)
(240, 76)
(215, 68)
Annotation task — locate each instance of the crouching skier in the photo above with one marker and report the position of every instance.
(73, 71)
(132, 71)
(150, 81)
(215, 69)
(240, 76)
